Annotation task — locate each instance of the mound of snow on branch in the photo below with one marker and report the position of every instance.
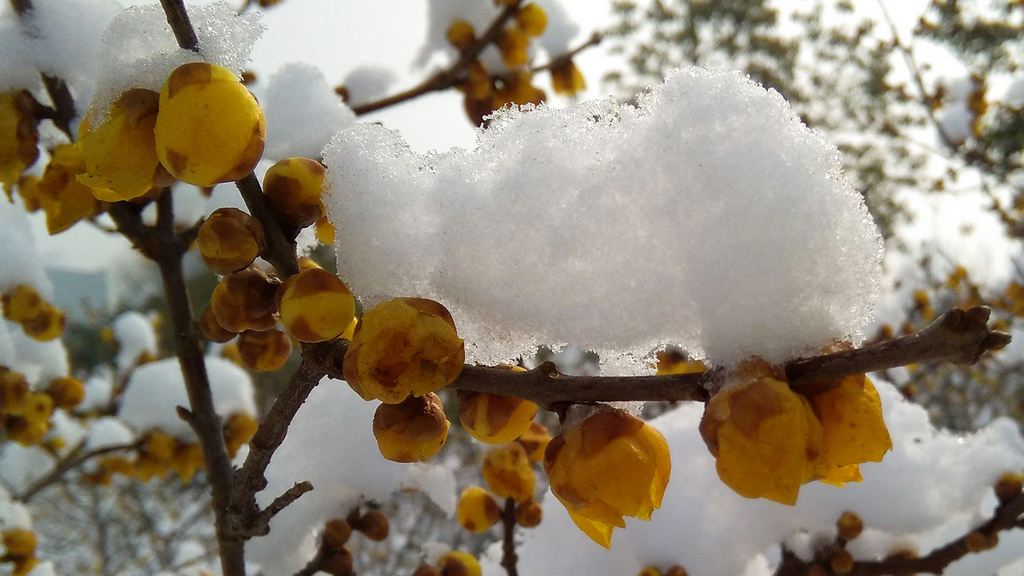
(708, 216)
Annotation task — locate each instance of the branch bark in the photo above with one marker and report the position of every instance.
(509, 558)
(73, 460)
(958, 336)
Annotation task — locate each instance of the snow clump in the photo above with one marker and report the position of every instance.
(708, 216)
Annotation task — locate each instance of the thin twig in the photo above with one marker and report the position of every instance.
(509, 558)
(73, 460)
(451, 76)
(177, 17)
(280, 250)
(594, 40)
(251, 477)
(262, 524)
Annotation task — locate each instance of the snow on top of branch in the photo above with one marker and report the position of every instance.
(708, 529)
(709, 217)
(330, 443)
(155, 390)
(558, 34)
(139, 49)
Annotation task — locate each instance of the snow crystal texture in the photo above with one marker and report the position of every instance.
(708, 216)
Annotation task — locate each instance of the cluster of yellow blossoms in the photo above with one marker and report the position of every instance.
(203, 127)
(19, 545)
(484, 92)
(25, 414)
(38, 318)
(160, 453)
(769, 440)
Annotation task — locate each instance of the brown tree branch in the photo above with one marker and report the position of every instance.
(509, 558)
(73, 460)
(451, 76)
(178, 18)
(161, 244)
(959, 336)
(280, 250)
(1006, 517)
(251, 477)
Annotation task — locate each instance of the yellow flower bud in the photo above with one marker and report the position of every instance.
(566, 79)
(264, 351)
(19, 137)
(649, 571)
(294, 187)
(518, 89)
(315, 305)
(532, 19)
(456, 563)
(411, 430)
(585, 466)
(147, 467)
(159, 445)
(1007, 488)
(535, 441)
(849, 526)
(120, 153)
(209, 128)
(674, 362)
(477, 509)
(245, 300)
(229, 240)
(852, 429)
(22, 304)
(460, 34)
(66, 392)
(27, 432)
(187, 460)
(508, 472)
(22, 566)
(19, 543)
(401, 347)
(337, 562)
(764, 436)
(513, 42)
(373, 524)
(48, 325)
(238, 430)
(40, 407)
(337, 532)
(64, 199)
(211, 329)
(14, 392)
(495, 419)
(529, 514)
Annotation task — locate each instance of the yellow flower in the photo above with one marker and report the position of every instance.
(19, 137)
(532, 19)
(508, 472)
(229, 240)
(64, 199)
(765, 437)
(294, 187)
(120, 153)
(495, 419)
(566, 78)
(315, 305)
(238, 430)
(852, 428)
(412, 430)
(401, 347)
(209, 128)
(673, 362)
(535, 441)
(477, 510)
(462, 563)
(460, 34)
(585, 466)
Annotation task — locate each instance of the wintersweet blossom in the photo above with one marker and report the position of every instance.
(584, 465)
(405, 346)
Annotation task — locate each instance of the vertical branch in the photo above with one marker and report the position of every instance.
(509, 558)
(202, 418)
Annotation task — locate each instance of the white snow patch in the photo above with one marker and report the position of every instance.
(709, 217)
